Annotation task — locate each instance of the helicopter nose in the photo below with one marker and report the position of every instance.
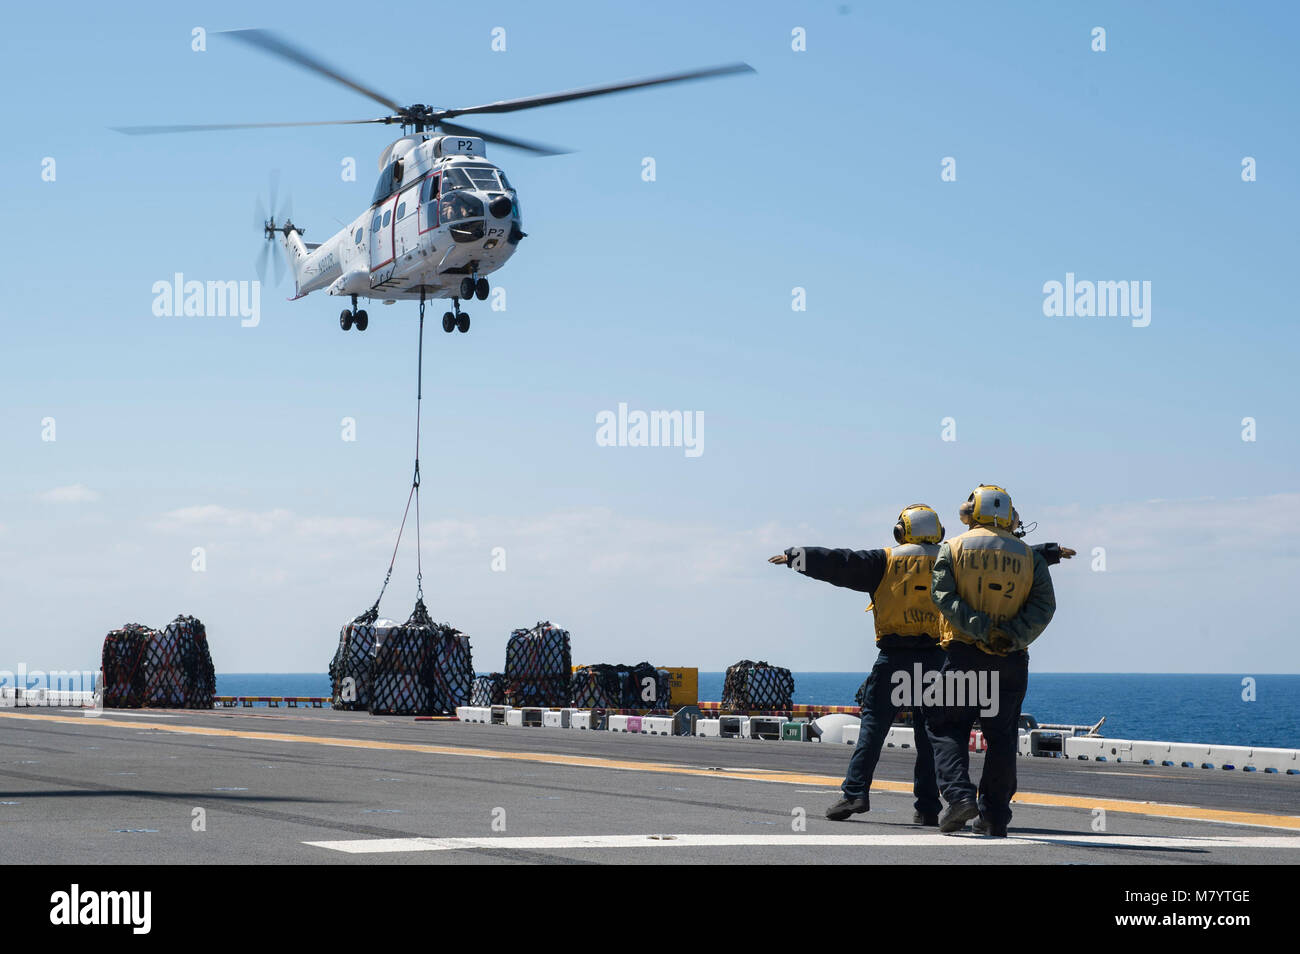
(501, 207)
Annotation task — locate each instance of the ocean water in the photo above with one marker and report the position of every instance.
(1170, 708)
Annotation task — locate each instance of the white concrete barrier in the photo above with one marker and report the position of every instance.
(1185, 754)
(582, 719)
(657, 725)
(515, 717)
(850, 733)
(900, 737)
(617, 723)
(707, 728)
(553, 719)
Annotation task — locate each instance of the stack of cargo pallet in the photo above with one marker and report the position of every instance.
(539, 662)
(167, 669)
(421, 668)
(604, 686)
(756, 686)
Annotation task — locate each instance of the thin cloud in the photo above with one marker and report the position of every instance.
(74, 493)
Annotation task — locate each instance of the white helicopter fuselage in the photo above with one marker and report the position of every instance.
(440, 214)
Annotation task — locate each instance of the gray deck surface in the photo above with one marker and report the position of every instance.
(123, 788)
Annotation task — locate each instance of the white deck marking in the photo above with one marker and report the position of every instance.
(364, 846)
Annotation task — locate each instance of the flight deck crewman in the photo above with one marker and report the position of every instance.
(907, 630)
(994, 594)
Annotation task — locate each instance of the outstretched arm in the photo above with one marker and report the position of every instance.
(1053, 553)
(859, 570)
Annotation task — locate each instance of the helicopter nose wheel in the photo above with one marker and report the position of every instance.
(345, 320)
(457, 320)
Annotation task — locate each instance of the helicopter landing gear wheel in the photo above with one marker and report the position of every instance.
(448, 322)
(462, 323)
(481, 289)
(361, 320)
(345, 320)
(467, 287)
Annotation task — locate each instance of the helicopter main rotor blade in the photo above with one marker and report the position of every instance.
(538, 148)
(210, 127)
(531, 102)
(276, 45)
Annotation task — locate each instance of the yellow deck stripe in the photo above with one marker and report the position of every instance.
(1152, 809)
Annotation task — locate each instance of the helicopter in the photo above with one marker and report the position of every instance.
(442, 217)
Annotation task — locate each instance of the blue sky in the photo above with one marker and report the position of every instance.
(820, 171)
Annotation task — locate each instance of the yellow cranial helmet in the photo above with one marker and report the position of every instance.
(992, 506)
(918, 524)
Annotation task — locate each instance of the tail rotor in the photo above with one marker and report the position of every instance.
(276, 221)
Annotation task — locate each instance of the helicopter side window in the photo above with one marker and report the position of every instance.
(357, 238)
(401, 210)
(429, 198)
(387, 217)
(374, 226)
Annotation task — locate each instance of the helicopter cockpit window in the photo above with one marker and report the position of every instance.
(485, 178)
(455, 178)
(458, 205)
(357, 238)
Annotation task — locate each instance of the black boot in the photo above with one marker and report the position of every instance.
(848, 806)
(981, 826)
(956, 815)
(928, 820)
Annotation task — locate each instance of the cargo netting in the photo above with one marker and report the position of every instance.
(605, 686)
(352, 667)
(421, 668)
(489, 690)
(539, 664)
(162, 669)
(123, 666)
(751, 686)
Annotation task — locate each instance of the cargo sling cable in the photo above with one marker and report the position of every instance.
(373, 612)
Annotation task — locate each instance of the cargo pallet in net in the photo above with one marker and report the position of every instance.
(422, 668)
(352, 668)
(167, 669)
(539, 662)
(604, 686)
(489, 690)
(751, 686)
